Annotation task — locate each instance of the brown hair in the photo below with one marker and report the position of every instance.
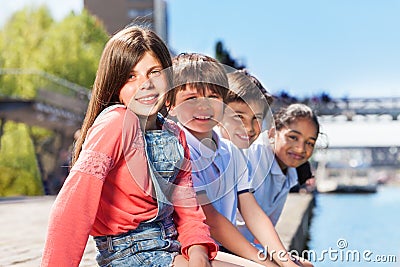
(244, 87)
(121, 53)
(201, 71)
(287, 115)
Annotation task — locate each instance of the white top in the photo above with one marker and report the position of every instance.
(221, 174)
(270, 184)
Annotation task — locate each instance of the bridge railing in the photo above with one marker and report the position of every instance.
(75, 104)
(54, 91)
(352, 106)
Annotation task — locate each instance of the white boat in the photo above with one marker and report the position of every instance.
(347, 170)
(346, 181)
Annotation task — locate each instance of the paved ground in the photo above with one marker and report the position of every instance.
(23, 225)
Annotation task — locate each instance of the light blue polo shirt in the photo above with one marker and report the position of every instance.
(271, 185)
(221, 174)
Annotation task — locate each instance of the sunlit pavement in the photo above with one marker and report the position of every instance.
(23, 225)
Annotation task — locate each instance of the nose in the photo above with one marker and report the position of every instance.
(301, 147)
(203, 103)
(145, 83)
(248, 126)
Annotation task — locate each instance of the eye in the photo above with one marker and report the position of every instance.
(155, 73)
(214, 96)
(259, 117)
(238, 116)
(293, 137)
(190, 98)
(131, 76)
(310, 144)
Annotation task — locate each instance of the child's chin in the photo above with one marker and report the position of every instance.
(242, 144)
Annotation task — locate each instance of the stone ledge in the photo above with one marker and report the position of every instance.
(293, 225)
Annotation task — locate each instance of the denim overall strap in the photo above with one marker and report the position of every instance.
(165, 154)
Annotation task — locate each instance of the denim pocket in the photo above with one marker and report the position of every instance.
(165, 153)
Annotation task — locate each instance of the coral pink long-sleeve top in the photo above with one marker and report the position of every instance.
(109, 192)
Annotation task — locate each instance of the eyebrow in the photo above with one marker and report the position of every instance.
(149, 69)
(254, 114)
(186, 93)
(159, 66)
(238, 111)
(295, 131)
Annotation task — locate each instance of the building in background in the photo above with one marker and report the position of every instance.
(117, 14)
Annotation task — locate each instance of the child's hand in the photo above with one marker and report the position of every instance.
(297, 261)
(301, 262)
(198, 256)
(291, 264)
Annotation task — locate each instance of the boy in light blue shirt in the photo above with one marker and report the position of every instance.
(219, 174)
(219, 168)
(273, 153)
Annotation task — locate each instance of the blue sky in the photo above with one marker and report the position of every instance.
(343, 47)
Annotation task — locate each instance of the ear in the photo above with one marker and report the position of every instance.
(171, 108)
(271, 132)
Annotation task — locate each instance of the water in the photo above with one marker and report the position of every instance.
(356, 229)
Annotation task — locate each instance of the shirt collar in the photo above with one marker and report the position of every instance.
(292, 176)
(276, 169)
(291, 173)
(202, 149)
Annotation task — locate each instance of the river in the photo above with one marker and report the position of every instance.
(356, 229)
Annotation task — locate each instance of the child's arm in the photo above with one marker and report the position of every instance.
(189, 218)
(198, 256)
(228, 235)
(75, 208)
(261, 227)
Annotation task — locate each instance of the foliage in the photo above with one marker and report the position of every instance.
(21, 38)
(74, 46)
(20, 174)
(223, 56)
(40, 134)
(32, 40)
(38, 52)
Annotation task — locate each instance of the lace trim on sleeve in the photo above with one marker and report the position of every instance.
(93, 163)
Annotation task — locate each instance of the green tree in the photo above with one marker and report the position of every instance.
(20, 174)
(38, 52)
(223, 56)
(31, 42)
(73, 47)
(21, 38)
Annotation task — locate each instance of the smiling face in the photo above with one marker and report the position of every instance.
(242, 123)
(144, 91)
(197, 112)
(295, 143)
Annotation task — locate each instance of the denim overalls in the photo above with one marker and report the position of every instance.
(152, 243)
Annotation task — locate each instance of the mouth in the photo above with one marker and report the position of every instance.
(203, 117)
(244, 137)
(296, 156)
(148, 99)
